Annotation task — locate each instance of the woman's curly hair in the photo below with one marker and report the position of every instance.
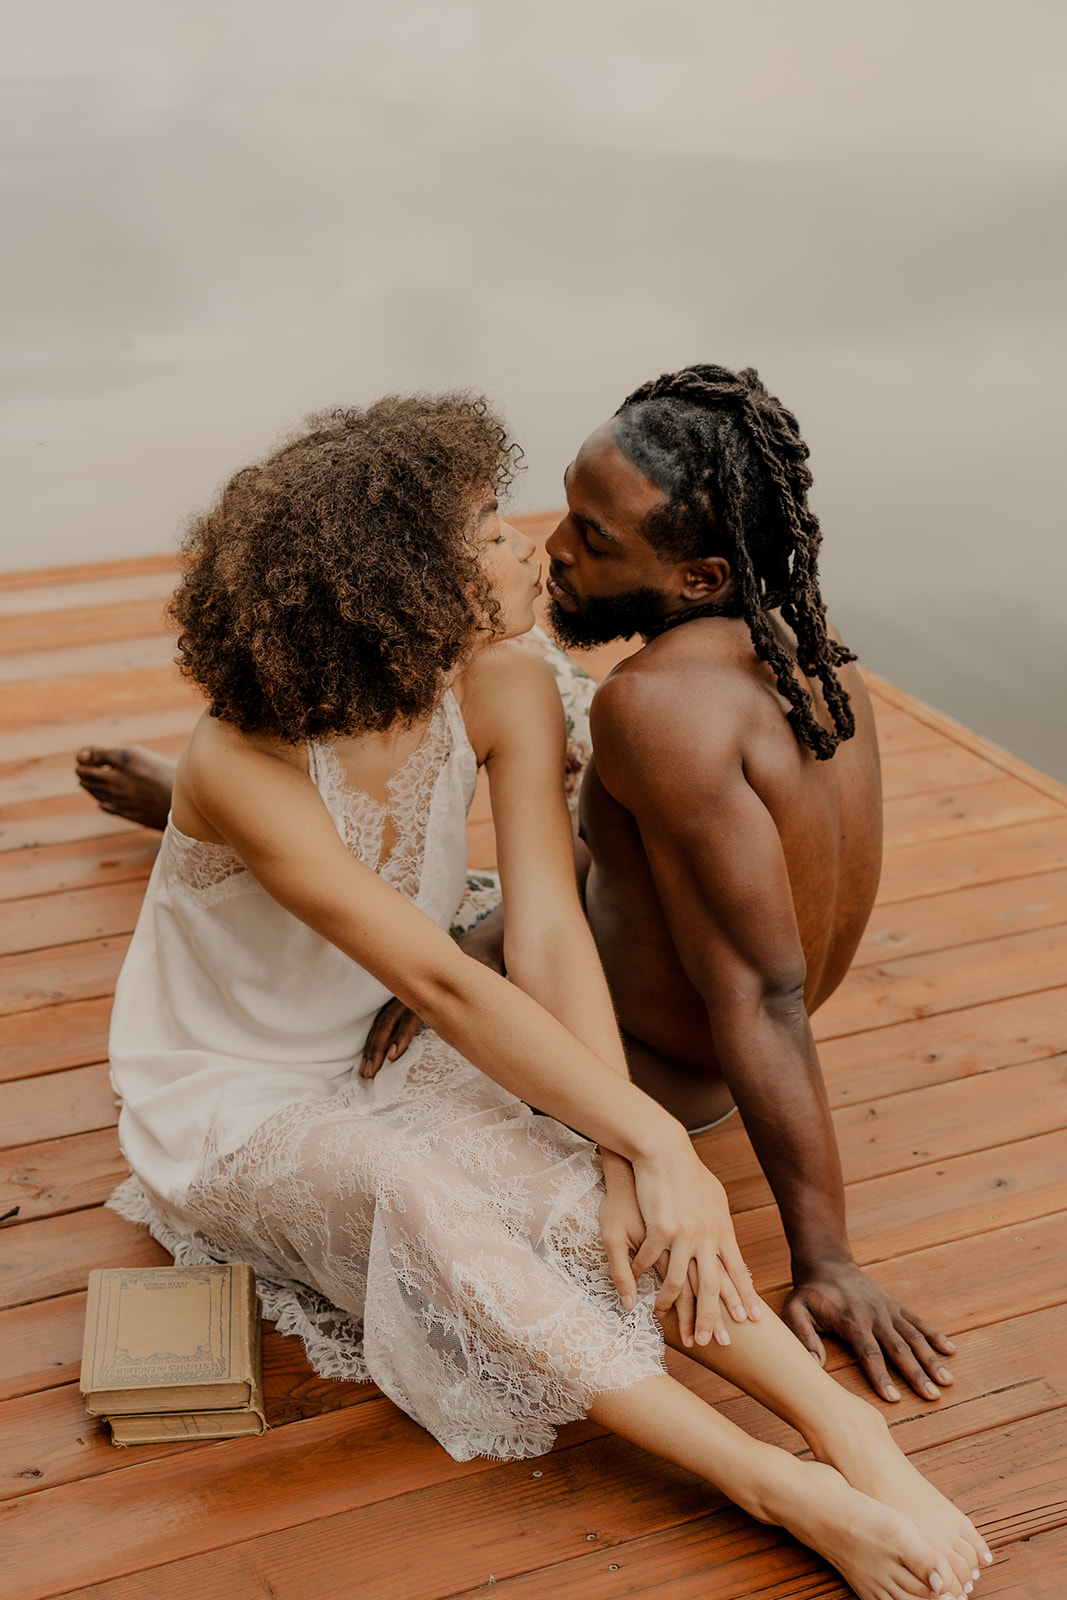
(332, 588)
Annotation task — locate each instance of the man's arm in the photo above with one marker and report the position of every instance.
(722, 879)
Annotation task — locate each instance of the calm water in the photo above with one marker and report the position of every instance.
(228, 213)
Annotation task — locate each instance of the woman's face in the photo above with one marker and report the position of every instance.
(507, 558)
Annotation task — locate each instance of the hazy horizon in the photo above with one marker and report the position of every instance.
(225, 215)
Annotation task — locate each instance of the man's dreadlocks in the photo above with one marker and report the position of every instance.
(730, 459)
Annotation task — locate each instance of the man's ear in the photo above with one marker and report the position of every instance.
(704, 580)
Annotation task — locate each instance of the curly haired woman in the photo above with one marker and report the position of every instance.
(348, 609)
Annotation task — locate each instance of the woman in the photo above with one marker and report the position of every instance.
(347, 607)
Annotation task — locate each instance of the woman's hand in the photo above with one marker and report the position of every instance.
(690, 1238)
(622, 1227)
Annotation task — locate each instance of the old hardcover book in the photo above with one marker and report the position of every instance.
(171, 1339)
(169, 1426)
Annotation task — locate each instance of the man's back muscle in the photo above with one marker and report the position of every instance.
(694, 709)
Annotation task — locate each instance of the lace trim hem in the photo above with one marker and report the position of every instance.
(332, 1340)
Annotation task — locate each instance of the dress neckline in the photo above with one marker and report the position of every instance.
(361, 817)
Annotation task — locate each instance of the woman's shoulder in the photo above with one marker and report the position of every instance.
(221, 760)
(506, 685)
(214, 742)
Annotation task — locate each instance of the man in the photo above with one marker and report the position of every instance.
(730, 834)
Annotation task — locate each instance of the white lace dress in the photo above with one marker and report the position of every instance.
(423, 1229)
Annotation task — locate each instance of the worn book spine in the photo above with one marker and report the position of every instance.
(170, 1426)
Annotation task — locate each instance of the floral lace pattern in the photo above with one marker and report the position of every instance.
(362, 819)
(209, 872)
(446, 1246)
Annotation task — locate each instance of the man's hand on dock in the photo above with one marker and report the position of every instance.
(838, 1297)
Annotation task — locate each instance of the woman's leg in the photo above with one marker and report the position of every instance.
(841, 1430)
(880, 1553)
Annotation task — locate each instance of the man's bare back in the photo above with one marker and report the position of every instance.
(827, 816)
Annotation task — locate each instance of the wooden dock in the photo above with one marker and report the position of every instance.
(945, 1053)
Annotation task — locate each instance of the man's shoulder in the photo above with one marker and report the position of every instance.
(665, 718)
(671, 685)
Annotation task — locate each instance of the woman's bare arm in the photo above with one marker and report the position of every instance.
(269, 811)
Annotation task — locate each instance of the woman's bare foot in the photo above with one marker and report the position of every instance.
(864, 1453)
(880, 1553)
(128, 781)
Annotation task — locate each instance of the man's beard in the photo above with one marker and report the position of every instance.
(602, 618)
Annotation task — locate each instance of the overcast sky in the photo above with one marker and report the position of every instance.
(223, 213)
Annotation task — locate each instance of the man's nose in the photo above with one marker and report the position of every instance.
(556, 545)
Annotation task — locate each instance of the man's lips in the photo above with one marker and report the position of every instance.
(558, 590)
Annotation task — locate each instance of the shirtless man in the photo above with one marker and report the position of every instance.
(731, 814)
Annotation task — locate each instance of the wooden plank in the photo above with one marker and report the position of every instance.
(956, 1044)
(117, 1523)
(963, 916)
(926, 985)
(47, 1438)
(918, 1128)
(538, 524)
(517, 1530)
(90, 624)
(63, 702)
(78, 864)
(132, 656)
(975, 808)
(65, 820)
(144, 726)
(70, 917)
(46, 777)
(1005, 1373)
(946, 1119)
(904, 1218)
(51, 1107)
(89, 571)
(1029, 1569)
(46, 978)
(899, 732)
(41, 1345)
(56, 1255)
(940, 766)
(49, 1177)
(50, 1040)
(722, 1557)
(719, 1556)
(947, 864)
(971, 1283)
(978, 1156)
(885, 693)
(897, 1213)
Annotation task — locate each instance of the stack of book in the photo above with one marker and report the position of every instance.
(173, 1353)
